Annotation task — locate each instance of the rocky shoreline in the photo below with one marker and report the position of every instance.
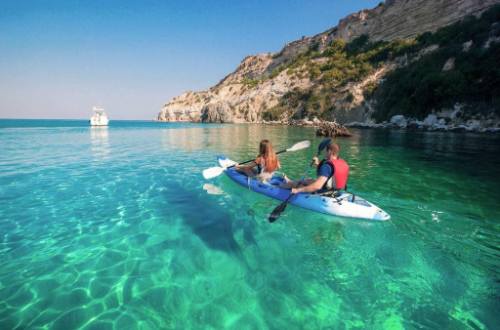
(444, 121)
(433, 122)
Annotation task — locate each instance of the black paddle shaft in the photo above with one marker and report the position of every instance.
(251, 160)
(322, 146)
(279, 209)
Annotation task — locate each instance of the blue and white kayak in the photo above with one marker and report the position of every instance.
(345, 205)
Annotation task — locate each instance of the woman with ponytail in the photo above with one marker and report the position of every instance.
(265, 163)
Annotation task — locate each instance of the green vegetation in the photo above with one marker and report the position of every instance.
(415, 89)
(299, 104)
(422, 86)
(332, 68)
(250, 83)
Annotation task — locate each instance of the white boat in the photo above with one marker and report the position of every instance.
(99, 118)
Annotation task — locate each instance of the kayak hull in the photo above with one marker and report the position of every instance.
(345, 205)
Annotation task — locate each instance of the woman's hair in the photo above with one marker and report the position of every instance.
(266, 151)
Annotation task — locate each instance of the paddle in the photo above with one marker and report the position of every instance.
(212, 172)
(322, 146)
(280, 208)
(275, 214)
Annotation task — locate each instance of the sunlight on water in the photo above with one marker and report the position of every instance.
(114, 228)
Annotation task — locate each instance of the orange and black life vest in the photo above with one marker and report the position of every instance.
(340, 171)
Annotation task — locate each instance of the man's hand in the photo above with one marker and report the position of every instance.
(295, 190)
(315, 161)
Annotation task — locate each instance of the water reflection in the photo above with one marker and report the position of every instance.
(99, 140)
(186, 139)
(239, 139)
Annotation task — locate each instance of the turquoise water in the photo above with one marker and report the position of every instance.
(114, 228)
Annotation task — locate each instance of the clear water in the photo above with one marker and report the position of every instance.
(113, 228)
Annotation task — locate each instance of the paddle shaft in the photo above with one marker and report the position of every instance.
(321, 146)
(251, 160)
(279, 209)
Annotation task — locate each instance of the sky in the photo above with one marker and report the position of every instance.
(61, 57)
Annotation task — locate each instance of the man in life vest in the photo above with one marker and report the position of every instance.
(332, 173)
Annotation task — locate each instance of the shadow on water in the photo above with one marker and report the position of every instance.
(202, 214)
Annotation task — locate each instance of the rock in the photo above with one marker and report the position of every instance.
(356, 124)
(307, 122)
(216, 113)
(332, 129)
(399, 120)
(449, 65)
(439, 127)
(473, 125)
(430, 120)
(490, 41)
(451, 114)
(407, 18)
(457, 111)
(493, 130)
(460, 128)
(467, 45)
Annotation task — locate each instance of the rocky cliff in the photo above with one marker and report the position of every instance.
(319, 74)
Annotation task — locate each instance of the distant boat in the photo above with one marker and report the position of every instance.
(99, 118)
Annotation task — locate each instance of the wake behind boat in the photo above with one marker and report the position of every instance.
(344, 205)
(99, 118)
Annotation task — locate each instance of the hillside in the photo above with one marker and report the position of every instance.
(402, 57)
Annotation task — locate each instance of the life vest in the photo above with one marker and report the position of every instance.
(340, 171)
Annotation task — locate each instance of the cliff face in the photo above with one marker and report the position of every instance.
(399, 19)
(263, 82)
(240, 97)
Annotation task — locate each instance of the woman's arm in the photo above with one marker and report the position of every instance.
(246, 166)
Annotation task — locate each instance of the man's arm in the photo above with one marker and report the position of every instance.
(313, 187)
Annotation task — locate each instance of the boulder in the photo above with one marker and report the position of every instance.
(332, 129)
(459, 128)
(439, 127)
(449, 65)
(473, 125)
(399, 121)
(430, 120)
(467, 45)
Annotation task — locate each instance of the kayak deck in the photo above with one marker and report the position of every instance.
(345, 205)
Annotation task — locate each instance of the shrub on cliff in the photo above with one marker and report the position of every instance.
(415, 89)
(423, 85)
(249, 82)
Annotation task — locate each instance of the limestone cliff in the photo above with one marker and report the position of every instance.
(270, 81)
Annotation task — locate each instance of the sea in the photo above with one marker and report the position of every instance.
(116, 228)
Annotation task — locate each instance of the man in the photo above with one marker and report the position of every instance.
(332, 173)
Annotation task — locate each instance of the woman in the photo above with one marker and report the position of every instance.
(266, 162)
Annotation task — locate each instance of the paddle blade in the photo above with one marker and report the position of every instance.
(299, 146)
(212, 172)
(323, 144)
(277, 211)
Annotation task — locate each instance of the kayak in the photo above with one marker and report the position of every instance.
(344, 205)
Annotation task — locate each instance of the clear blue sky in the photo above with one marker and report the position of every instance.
(59, 58)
